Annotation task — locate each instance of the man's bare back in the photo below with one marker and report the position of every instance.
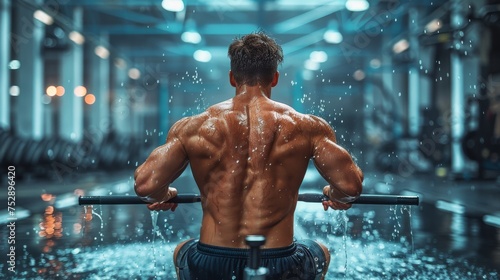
(248, 156)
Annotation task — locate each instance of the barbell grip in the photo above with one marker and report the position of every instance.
(304, 197)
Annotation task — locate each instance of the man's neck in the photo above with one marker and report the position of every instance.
(253, 91)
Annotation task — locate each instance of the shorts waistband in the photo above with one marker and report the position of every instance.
(244, 253)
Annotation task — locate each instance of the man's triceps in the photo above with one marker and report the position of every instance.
(338, 168)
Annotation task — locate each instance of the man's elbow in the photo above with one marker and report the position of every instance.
(140, 190)
(355, 187)
(140, 184)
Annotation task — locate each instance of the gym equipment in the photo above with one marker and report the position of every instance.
(253, 271)
(305, 197)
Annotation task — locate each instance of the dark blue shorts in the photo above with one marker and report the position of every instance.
(302, 260)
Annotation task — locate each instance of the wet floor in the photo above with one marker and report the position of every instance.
(61, 240)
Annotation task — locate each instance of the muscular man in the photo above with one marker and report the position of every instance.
(248, 156)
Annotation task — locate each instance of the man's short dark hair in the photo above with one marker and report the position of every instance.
(254, 59)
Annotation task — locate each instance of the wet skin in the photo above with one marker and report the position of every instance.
(248, 156)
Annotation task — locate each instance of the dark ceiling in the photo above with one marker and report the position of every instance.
(146, 35)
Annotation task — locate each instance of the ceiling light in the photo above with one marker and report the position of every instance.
(134, 73)
(359, 75)
(120, 63)
(51, 90)
(80, 91)
(43, 17)
(60, 90)
(14, 64)
(375, 63)
(173, 5)
(190, 34)
(318, 56)
(89, 99)
(401, 46)
(333, 37)
(192, 37)
(357, 5)
(202, 56)
(101, 52)
(76, 37)
(433, 26)
(311, 65)
(14, 91)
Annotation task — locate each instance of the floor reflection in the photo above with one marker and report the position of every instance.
(367, 242)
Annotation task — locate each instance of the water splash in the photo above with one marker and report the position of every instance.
(408, 210)
(397, 225)
(156, 228)
(355, 237)
(129, 261)
(343, 220)
(374, 255)
(90, 212)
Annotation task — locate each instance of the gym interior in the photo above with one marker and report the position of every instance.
(89, 88)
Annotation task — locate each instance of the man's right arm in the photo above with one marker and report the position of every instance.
(336, 166)
(161, 168)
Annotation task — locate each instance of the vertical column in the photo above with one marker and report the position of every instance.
(163, 110)
(27, 41)
(48, 124)
(121, 109)
(99, 84)
(414, 77)
(4, 61)
(425, 60)
(457, 90)
(392, 82)
(71, 107)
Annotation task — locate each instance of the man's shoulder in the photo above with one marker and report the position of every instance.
(188, 124)
(308, 119)
(319, 121)
(311, 124)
